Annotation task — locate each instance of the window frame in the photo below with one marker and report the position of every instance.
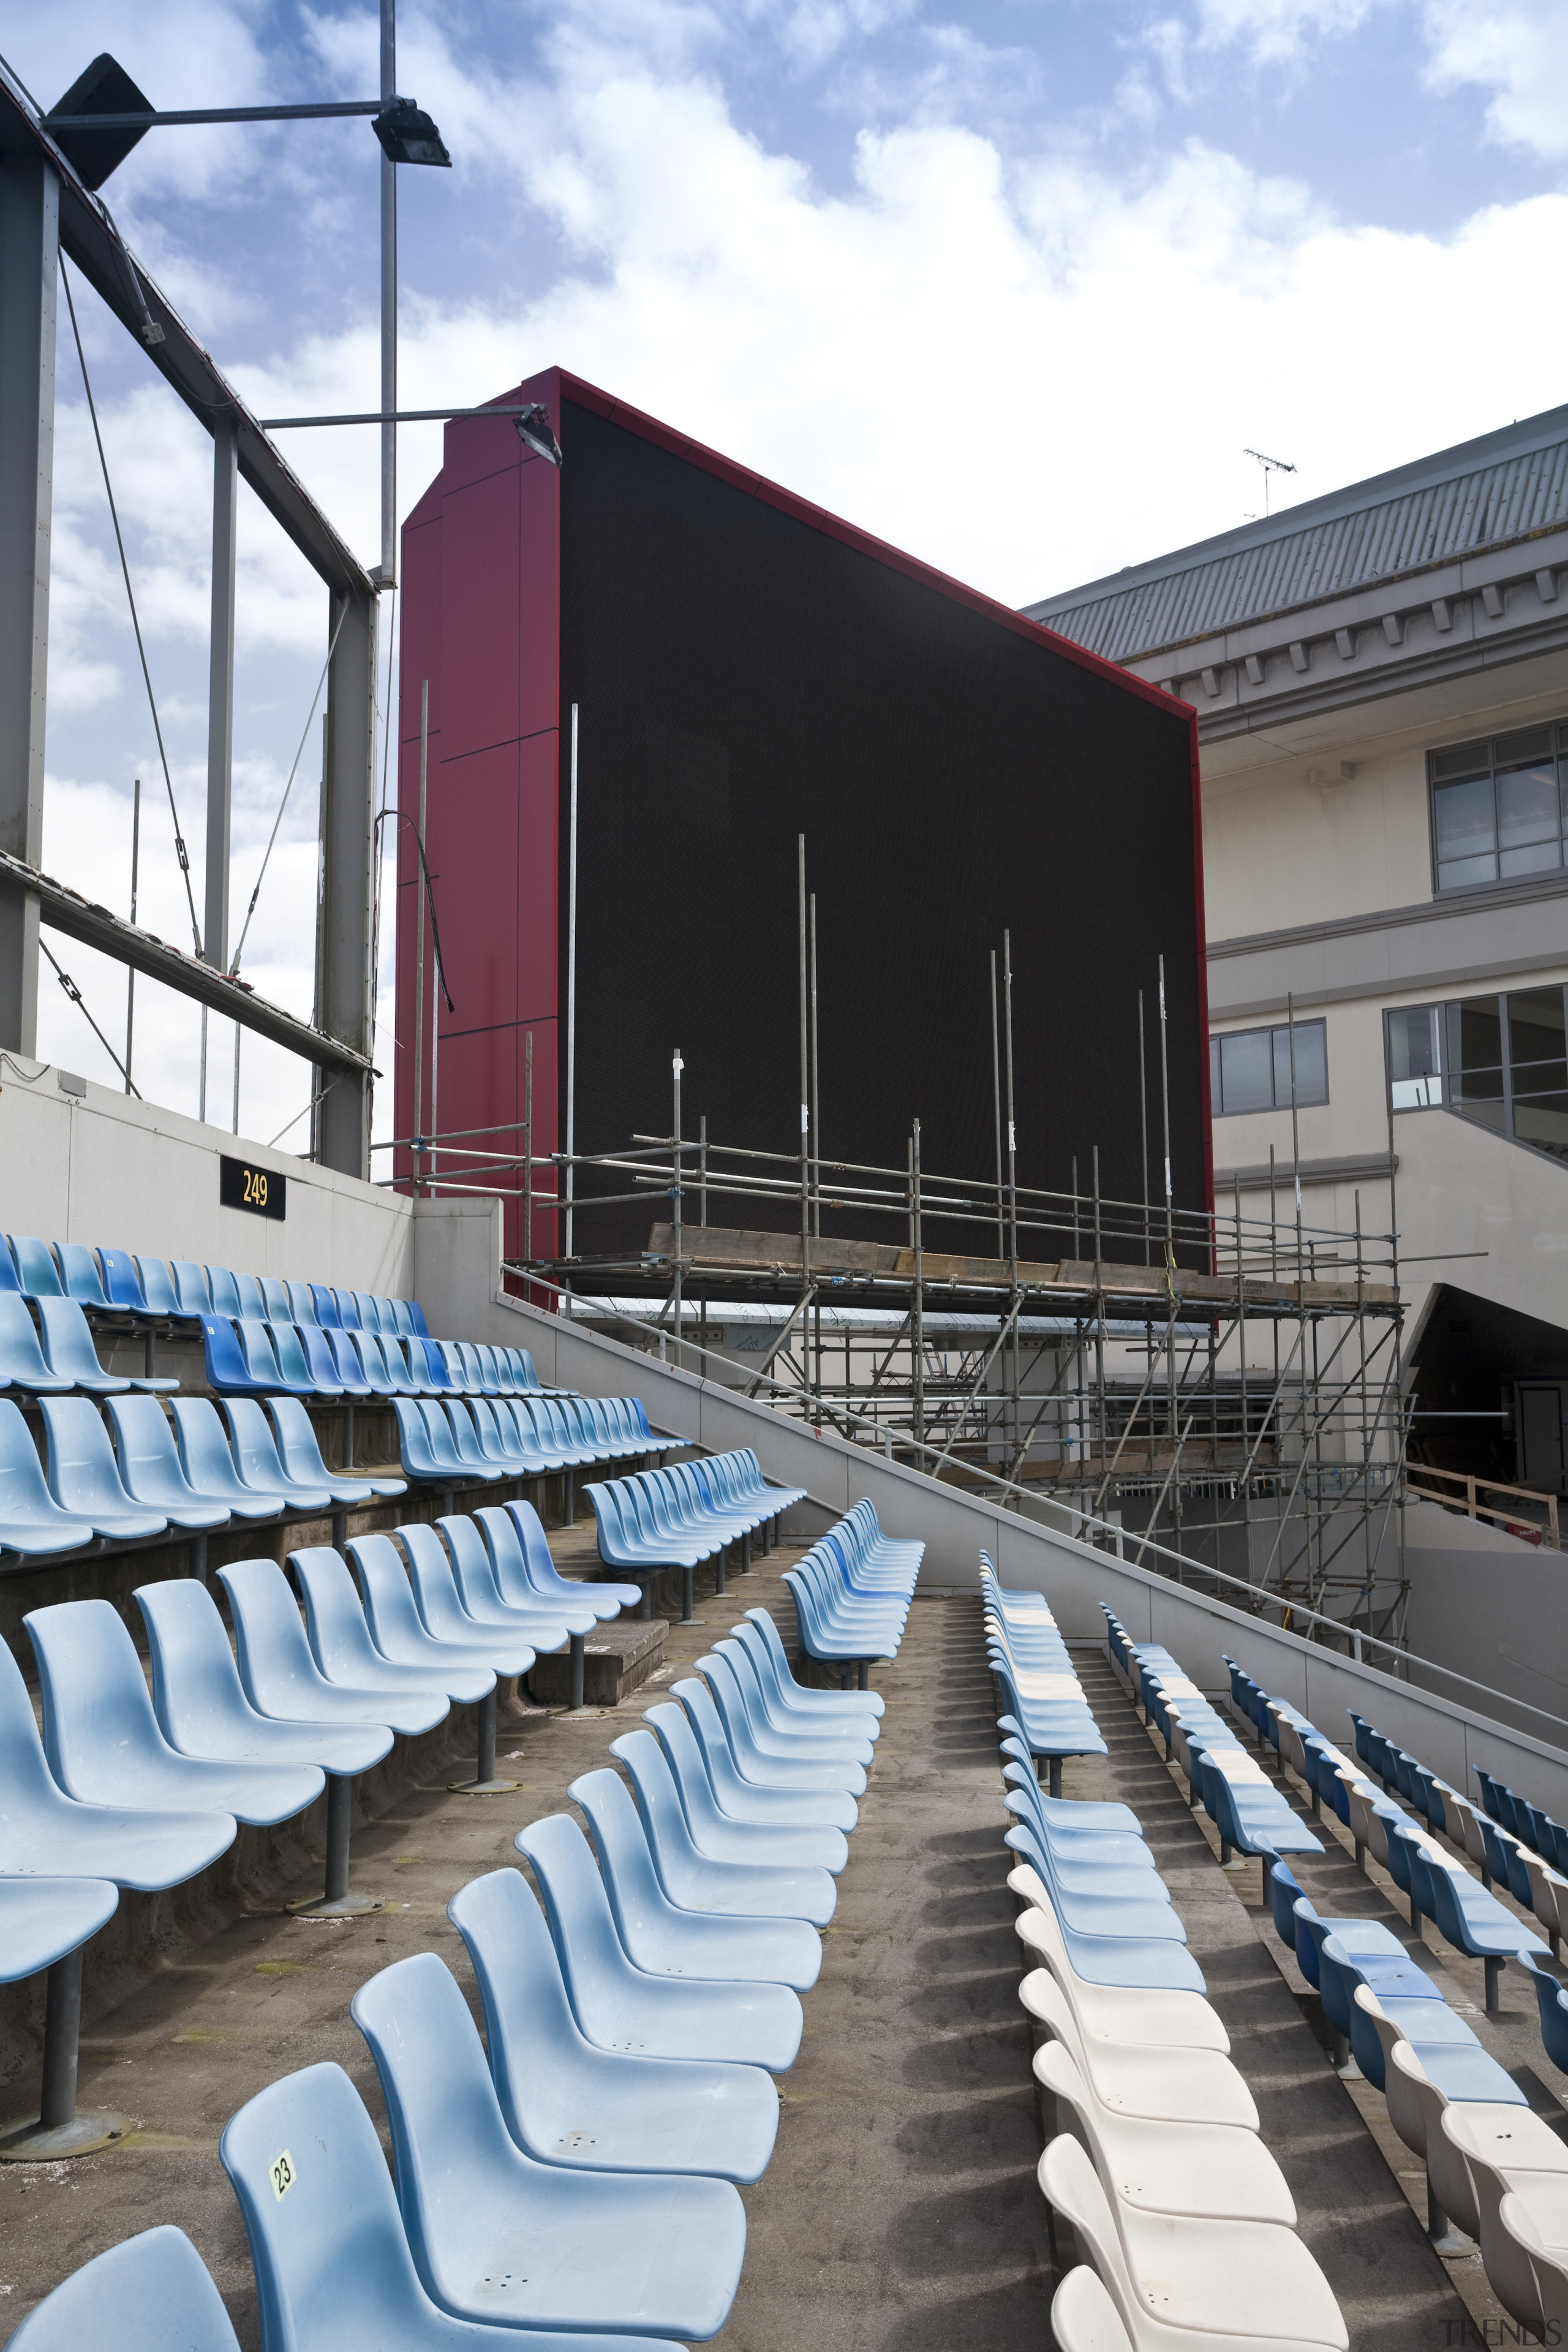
(1442, 1006)
(1270, 1029)
(1557, 730)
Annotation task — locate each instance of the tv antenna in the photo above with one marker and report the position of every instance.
(1270, 466)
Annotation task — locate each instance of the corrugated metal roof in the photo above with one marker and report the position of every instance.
(1274, 568)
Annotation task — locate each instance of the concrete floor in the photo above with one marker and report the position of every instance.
(900, 2209)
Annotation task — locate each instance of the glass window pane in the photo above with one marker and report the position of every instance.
(1247, 1071)
(1536, 1028)
(1217, 1098)
(1543, 1120)
(1526, 804)
(1462, 872)
(1544, 859)
(1466, 833)
(1526, 743)
(1414, 1078)
(1415, 1094)
(1312, 1064)
(1473, 1039)
(1461, 759)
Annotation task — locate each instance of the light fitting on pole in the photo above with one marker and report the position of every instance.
(408, 135)
(533, 431)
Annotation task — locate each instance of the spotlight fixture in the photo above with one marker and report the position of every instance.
(407, 135)
(533, 431)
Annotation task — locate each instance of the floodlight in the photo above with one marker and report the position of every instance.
(408, 135)
(104, 89)
(533, 431)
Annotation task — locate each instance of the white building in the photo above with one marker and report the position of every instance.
(1381, 683)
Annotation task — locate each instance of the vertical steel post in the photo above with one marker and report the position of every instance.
(29, 279)
(1170, 1263)
(702, 1217)
(1144, 1122)
(996, 1107)
(1300, 1269)
(220, 719)
(131, 974)
(571, 993)
(1013, 1302)
(805, 1079)
(1241, 1342)
(917, 1326)
(816, 1095)
(345, 1008)
(675, 1067)
(1099, 1319)
(387, 575)
(527, 1147)
(418, 1127)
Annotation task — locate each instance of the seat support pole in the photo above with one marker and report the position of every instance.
(718, 1569)
(568, 1497)
(686, 1610)
(60, 2131)
(197, 1567)
(150, 1355)
(340, 1525)
(645, 1606)
(862, 1669)
(1056, 1779)
(574, 1692)
(746, 1553)
(1494, 1979)
(335, 1902)
(484, 1782)
(348, 1433)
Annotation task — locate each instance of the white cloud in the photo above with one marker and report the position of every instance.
(1276, 29)
(1519, 50)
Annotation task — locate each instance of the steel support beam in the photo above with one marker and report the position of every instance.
(29, 278)
(220, 690)
(344, 1010)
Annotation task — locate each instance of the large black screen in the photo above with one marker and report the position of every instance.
(743, 677)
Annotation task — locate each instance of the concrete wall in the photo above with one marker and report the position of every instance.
(1489, 1605)
(117, 1173)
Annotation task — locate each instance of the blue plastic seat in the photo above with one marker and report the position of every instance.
(660, 1936)
(346, 1303)
(31, 1521)
(83, 1477)
(302, 1308)
(277, 1306)
(416, 1322)
(623, 2007)
(204, 1462)
(69, 1353)
(252, 1306)
(288, 1346)
(774, 1840)
(341, 1643)
(465, 1440)
(326, 1305)
(42, 1919)
(345, 1360)
(225, 1290)
(544, 1577)
(158, 1287)
(400, 1632)
(320, 1361)
(364, 1348)
(123, 1287)
(201, 1705)
(22, 1361)
(10, 1280)
(694, 1881)
(774, 1764)
(1553, 2002)
(256, 1458)
(102, 1739)
(750, 1800)
(785, 1733)
(545, 1625)
(493, 2231)
(579, 1607)
(227, 1372)
(568, 2102)
(143, 2295)
(264, 1373)
(416, 1458)
(80, 1277)
(38, 1274)
(300, 1457)
(763, 1635)
(44, 1833)
(192, 1287)
(280, 1673)
(309, 2131)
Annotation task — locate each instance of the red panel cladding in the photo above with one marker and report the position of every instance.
(479, 611)
(473, 852)
(538, 896)
(538, 597)
(546, 1139)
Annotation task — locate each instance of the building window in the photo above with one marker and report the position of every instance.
(1250, 1070)
(1499, 1061)
(1499, 807)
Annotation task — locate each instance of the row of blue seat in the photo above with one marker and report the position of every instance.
(1509, 1838)
(1036, 1686)
(853, 1591)
(687, 1946)
(158, 1290)
(253, 1357)
(683, 1515)
(57, 1354)
(454, 1442)
(1183, 2221)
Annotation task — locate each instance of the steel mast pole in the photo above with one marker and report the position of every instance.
(387, 576)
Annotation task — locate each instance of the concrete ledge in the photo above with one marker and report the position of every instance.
(617, 1659)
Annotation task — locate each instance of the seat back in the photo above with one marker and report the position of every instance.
(275, 1658)
(83, 1473)
(196, 1693)
(576, 1904)
(326, 1305)
(276, 1305)
(205, 1457)
(1073, 2190)
(158, 1285)
(658, 1798)
(24, 1497)
(297, 1450)
(10, 1280)
(446, 2123)
(260, 1358)
(1554, 2009)
(79, 1274)
(145, 1452)
(471, 1566)
(142, 2295)
(543, 1573)
(252, 1300)
(301, 1301)
(321, 1364)
(626, 1860)
(389, 1603)
(225, 1291)
(288, 1348)
(434, 1586)
(531, 2034)
(373, 1368)
(255, 1455)
(68, 1343)
(122, 1285)
(95, 1702)
(334, 1620)
(331, 2259)
(225, 1367)
(346, 1357)
(38, 1274)
(507, 1563)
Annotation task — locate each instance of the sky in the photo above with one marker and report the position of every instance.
(1013, 285)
